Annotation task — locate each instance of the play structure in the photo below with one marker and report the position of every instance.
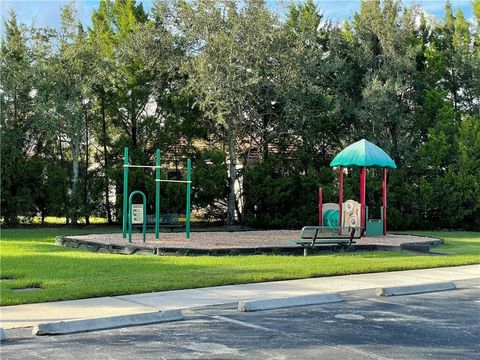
(352, 214)
(136, 213)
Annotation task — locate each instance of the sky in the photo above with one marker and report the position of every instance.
(47, 12)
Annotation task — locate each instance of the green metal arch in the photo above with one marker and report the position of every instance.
(130, 198)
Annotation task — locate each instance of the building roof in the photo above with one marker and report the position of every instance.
(363, 153)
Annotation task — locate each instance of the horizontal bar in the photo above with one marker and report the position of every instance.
(174, 181)
(142, 166)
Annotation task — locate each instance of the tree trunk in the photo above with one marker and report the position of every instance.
(265, 135)
(74, 195)
(232, 177)
(134, 133)
(105, 162)
(134, 123)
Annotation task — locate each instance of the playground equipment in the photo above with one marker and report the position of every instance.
(330, 214)
(136, 213)
(350, 213)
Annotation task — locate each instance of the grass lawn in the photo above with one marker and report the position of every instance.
(30, 257)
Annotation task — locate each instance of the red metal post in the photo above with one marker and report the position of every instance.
(363, 183)
(384, 200)
(340, 195)
(320, 204)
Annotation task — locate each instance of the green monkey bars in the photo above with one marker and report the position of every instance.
(127, 204)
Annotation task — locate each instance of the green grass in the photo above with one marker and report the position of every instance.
(30, 257)
(54, 220)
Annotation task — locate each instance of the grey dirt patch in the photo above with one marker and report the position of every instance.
(28, 289)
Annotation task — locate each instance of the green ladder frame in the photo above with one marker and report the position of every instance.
(127, 207)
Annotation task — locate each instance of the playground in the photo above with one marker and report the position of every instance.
(343, 226)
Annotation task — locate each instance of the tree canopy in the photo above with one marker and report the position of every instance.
(261, 102)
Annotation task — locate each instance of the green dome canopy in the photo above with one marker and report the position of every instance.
(363, 153)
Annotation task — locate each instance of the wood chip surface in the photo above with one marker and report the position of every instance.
(237, 239)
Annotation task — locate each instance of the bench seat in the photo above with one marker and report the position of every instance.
(165, 220)
(312, 236)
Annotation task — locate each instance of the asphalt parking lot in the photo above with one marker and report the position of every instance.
(441, 325)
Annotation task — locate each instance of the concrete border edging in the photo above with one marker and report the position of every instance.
(280, 303)
(81, 325)
(415, 289)
(75, 241)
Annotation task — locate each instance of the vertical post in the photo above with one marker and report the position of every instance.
(130, 217)
(157, 195)
(384, 200)
(189, 189)
(363, 182)
(144, 217)
(125, 191)
(340, 195)
(320, 204)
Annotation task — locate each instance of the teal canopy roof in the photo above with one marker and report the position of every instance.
(363, 153)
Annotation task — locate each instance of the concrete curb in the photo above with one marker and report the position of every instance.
(279, 303)
(74, 326)
(415, 289)
(3, 337)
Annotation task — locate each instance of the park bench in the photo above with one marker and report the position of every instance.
(312, 236)
(166, 221)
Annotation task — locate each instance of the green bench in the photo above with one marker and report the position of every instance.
(312, 236)
(166, 221)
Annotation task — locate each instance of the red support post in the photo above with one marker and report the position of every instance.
(363, 183)
(384, 200)
(320, 205)
(340, 195)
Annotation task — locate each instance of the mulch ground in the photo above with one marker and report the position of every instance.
(238, 239)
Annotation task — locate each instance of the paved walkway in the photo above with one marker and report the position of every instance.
(28, 315)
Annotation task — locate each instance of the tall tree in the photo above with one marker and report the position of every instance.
(388, 61)
(63, 89)
(227, 43)
(17, 106)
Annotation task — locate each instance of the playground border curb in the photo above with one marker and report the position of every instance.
(82, 325)
(286, 302)
(415, 289)
(71, 241)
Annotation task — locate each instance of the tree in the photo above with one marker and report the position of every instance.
(465, 199)
(227, 44)
(388, 62)
(17, 112)
(307, 85)
(63, 88)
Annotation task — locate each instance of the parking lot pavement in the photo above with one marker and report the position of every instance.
(441, 325)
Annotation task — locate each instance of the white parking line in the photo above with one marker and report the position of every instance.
(242, 323)
(340, 347)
